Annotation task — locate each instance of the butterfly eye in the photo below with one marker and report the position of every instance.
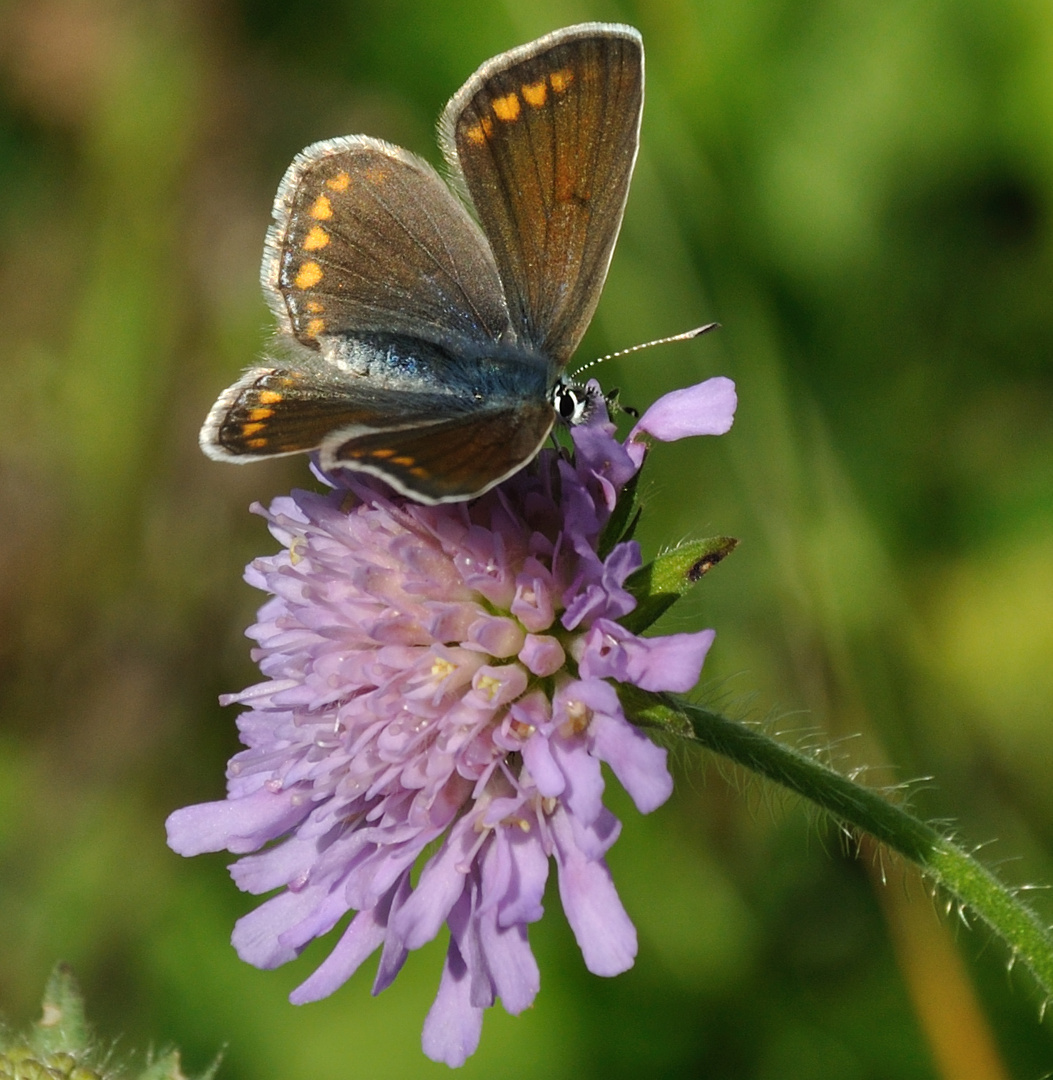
(572, 403)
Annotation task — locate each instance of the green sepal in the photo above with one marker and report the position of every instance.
(168, 1066)
(62, 1027)
(649, 709)
(61, 1045)
(659, 584)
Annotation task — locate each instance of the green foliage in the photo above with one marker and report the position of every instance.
(61, 1046)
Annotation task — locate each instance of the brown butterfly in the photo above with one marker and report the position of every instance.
(424, 347)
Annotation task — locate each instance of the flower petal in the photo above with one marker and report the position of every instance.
(395, 952)
(453, 1026)
(707, 408)
(672, 663)
(440, 885)
(542, 654)
(583, 793)
(521, 902)
(544, 769)
(639, 765)
(599, 454)
(512, 966)
(257, 936)
(360, 940)
(239, 825)
(604, 932)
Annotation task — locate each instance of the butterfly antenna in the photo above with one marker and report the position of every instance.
(685, 336)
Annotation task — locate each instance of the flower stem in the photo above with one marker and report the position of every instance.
(973, 886)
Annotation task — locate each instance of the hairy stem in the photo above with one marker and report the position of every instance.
(960, 874)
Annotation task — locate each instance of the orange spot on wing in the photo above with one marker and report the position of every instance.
(315, 327)
(383, 453)
(314, 307)
(560, 80)
(317, 238)
(534, 94)
(479, 133)
(251, 429)
(260, 414)
(402, 460)
(256, 444)
(310, 273)
(506, 108)
(321, 208)
(340, 182)
(270, 397)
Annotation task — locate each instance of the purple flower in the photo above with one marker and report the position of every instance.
(440, 677)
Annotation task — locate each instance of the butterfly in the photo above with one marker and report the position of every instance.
(426, 327)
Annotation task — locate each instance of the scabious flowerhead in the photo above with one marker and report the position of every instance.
(444, 678)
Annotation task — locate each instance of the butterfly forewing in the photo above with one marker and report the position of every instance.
(545, 138)
(368, 237)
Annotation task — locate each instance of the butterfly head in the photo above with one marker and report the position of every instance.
(575, 403)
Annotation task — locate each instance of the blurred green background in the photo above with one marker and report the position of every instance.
(861, 194)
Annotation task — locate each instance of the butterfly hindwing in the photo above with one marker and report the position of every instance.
(436, 425)
(274, 411)
(445, 460)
